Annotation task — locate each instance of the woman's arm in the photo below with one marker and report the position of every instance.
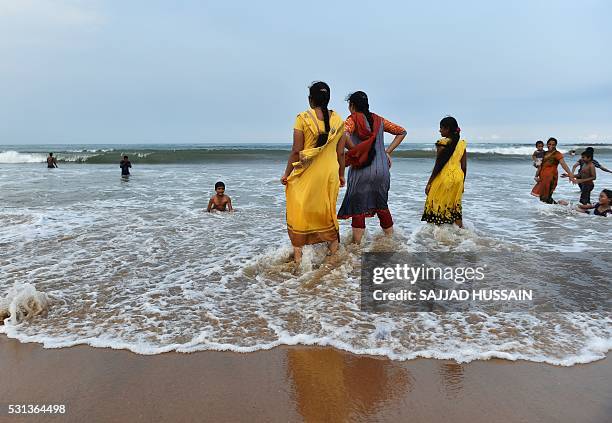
(399, 132)
(396, 141)
(565, 167)
(393, 129)
(349, 128)
(464, 164)
(294, 156)
(340, 155)
(349, 143)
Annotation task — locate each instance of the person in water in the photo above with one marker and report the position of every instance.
(314, 174)
(220, 201)
(51, 162)
(368, 177)
(538, 155)
(580, 163)
(547, 175)
(125, 166)
(446, 184)
(602, 208)
(586, 176)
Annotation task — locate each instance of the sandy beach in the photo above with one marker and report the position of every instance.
(295, 384)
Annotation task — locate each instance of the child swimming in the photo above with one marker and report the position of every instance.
(602, 208)
(220, 201)
(538, 155)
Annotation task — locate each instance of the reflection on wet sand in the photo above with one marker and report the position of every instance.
(330, 385)
(452, 378)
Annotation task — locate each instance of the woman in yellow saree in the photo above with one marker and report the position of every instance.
(314, 174)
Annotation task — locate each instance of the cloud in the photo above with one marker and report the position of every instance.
(50, 12)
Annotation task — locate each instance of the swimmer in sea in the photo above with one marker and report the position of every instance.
(125, 166)
(602, 208)
(51, 162)
(220, 201)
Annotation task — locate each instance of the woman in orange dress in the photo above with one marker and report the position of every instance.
(548, 174)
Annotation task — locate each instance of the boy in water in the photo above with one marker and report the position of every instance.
(220, 201)
(580, 163)
(538, 155)
(51, 162)
(125, 166)
(586, 176)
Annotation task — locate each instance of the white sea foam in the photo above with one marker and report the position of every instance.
(138, 265)
(23, 302)
(16, 157)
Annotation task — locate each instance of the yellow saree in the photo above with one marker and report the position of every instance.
(313, 185)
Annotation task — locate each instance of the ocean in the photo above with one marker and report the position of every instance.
(137, 264)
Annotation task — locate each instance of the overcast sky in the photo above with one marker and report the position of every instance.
(231, 71)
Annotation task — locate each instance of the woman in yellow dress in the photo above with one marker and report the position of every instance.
(445, 186)
(314, 174)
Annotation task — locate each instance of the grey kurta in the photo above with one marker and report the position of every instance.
(367, 188)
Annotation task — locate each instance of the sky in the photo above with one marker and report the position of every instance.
(117, 71)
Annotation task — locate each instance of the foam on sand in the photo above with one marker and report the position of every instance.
(23, 302)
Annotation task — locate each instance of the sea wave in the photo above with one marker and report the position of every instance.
(233, 154)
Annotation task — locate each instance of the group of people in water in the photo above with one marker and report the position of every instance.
(547, 162)
(324, 144)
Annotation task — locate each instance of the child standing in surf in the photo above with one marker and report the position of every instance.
(586, 177)
(220, 201)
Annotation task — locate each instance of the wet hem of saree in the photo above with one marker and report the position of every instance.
(301, 239)
(439, 219)
(370, 213)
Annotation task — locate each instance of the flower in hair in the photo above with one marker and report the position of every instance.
(458, 130)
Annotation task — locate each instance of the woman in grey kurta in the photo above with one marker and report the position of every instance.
(368, 182)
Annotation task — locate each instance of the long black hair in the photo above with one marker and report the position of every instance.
(451, 124)
(359, 100)
(319, 97)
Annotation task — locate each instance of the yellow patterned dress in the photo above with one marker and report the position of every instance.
(313, 185)
(443, 204)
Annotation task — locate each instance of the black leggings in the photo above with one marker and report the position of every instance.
(585, 193)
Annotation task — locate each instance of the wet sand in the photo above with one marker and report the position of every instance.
(295, 384)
